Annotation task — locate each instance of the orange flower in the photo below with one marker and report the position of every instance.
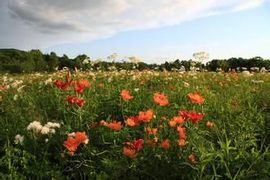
(182, 132)
(152, 142)
(151, 131)
(81, 137)
(132, 121)
(209, 124)
(125, 94)
(192, 158)
(129, 152)
(196, 98)
(114, 125)
(146, 116)
(71, 144)
(161, 99)
(74, 140)
(131, 149)
(176, 120)
(181, 142)
(165, 144)
(81, 85)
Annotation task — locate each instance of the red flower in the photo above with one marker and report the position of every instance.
(75, 100)
(63, 85)
(161, 99)
(81, 85)
(195, 117)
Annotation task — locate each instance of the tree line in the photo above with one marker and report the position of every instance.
(18, 61)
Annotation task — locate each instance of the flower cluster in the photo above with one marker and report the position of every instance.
(79, 87)
(48, 128)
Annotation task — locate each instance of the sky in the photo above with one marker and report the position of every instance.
(153, 30)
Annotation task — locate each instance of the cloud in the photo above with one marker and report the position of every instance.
(61, 21)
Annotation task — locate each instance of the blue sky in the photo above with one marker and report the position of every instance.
(224, 30)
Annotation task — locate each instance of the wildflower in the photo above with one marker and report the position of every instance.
(74, 140)
(131, 149)
(181, 142)
(114, 125)
(45, 130)
(75, 100)
(196, 98)
(165, 144)
(176, 120)
(209, 124)
(186, 84)
(195, 117)
(152, 142)
(125, 94)
(64, 85)
(81, 137)
(71, 144)
(182, 132)
(146, 116)
(19, 139)
(129, 152)
(192, 158)
(35, 126)
(151, 131)
(160, 99)
(81, 85)
(132, 121)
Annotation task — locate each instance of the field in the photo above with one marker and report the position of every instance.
(135, 125)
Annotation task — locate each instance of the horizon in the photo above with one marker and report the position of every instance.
(169, 31)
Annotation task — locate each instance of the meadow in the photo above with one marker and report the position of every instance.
(135, 125)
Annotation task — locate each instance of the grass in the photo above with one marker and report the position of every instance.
(236, 147)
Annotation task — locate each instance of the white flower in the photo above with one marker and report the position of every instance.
(52, 125)
(136, 89)
(15, 98)
(71, 134)
(35, 126)
(45, 130)
(19, 139)
(86, 141)
(186, 84)
(48, 81)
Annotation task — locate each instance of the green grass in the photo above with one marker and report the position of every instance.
(237, 147)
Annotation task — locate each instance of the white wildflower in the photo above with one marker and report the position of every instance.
(19, 139)
(48, 81)
(136, 89)
(71, 134)
(186, 84)
(15, 98)
(35, 126)
(45, 130)
(86, 141)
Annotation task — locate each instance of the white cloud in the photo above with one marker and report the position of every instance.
(42, 23)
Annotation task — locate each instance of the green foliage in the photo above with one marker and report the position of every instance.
(236, 147)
